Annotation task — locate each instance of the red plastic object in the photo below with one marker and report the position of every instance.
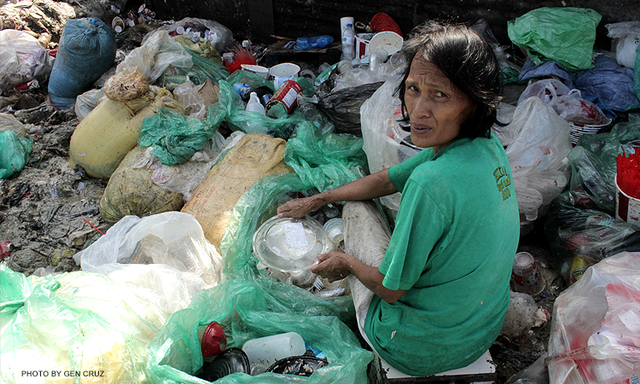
(5, 249)
(381, 22)
(214, 341)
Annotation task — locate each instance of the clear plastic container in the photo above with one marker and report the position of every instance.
(264, 351)
(334, 230)
(290, 245)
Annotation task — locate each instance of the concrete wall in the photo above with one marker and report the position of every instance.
(258, 19)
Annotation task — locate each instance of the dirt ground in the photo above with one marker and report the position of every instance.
(49, 211)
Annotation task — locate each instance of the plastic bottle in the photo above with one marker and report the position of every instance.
(264, 351)
(254, 104)
(348, 43)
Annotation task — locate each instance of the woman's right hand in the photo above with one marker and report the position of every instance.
(297, 208)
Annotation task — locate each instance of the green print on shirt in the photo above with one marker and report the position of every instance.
(501, 173)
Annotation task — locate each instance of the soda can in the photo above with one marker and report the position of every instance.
(264, 99)
(526, 276)
(243, 90)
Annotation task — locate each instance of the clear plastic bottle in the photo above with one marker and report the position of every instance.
(348, 43)
(254, 104)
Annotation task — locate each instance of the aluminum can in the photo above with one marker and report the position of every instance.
(526, 276)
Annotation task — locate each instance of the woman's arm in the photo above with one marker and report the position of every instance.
(365, 188)
(337, 265)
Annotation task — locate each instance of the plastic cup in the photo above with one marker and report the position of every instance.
(284, 70)
(257, 69)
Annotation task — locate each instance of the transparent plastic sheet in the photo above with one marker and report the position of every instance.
(564, 35)
(538, 157)
(594, 336)
(325, 161)
(202, 69)
(593, 162)
(156, 252)
(9, 122)
(625, 35)
(22, 58)
(575, 229)
(252, 308)
(220, 36)
(174, 136)
(385, 143)
(74, 321)
(155, 55)
(14, 153)
(87, 101)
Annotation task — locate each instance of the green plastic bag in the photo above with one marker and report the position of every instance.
(174, 136)
(74, 322)
(231, 108)
(325, 161)
(564, 35)
(14, 153)
(202, 69)
(252, 308)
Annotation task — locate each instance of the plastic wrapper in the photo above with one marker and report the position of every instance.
(157, 52)
(14, 153)
(594, 336)
(174, 136)
(249, 309)
(159, 251)
(220, 36)
(131, 191)
(184, 178)
(568, 103)
(565, 35)
(76, 321)
(626, 37)
(580, 235)
(593, 163)
(342, 103)
(325, 161)
(201, 70)
(385, 143)
(8, 122)
(196, 99)
(87, 102)
(22, 58)
(538, 157)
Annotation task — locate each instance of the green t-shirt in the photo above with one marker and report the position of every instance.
(452, 249)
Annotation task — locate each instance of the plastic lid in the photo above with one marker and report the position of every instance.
(290, 245)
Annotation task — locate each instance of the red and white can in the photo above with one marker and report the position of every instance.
(286, 95)
(526, 276)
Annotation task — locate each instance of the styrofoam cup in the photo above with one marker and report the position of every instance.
(257, 69)
(284, 70)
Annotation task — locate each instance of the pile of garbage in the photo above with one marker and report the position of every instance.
(173, 155)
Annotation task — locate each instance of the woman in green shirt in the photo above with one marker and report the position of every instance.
(435, 298)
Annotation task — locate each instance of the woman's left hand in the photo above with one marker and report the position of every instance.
(332, 266)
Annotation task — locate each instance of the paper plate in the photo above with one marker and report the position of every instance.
(390, 41)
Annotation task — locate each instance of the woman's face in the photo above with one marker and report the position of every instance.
(436, 107)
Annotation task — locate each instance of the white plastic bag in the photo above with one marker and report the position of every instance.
(155, 55)
(626, 38)
(22, 58)
(87, 101)
(385, 143)
(165, 254)
(538, 157)
(595, 331)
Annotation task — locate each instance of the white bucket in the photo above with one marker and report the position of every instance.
(627, 207)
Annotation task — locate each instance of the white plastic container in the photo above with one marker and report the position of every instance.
(334, 230)
(254, 104)
(264, 351)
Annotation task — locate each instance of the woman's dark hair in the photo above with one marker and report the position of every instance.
(468, 61)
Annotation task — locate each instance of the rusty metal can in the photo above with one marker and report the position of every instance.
(526, 276)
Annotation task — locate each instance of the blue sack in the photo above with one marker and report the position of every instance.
(87, 50)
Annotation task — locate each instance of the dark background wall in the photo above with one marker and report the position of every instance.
(258, 19)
